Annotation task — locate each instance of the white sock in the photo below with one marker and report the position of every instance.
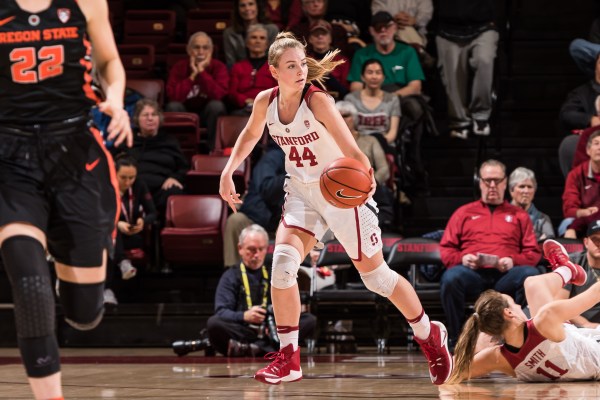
(287, 335)
(565, 273)
(421, 326)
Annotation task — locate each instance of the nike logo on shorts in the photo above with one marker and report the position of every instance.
(6, 20)
(343, 196)
(92, 165)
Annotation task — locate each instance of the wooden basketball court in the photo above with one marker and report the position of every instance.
(158, 374)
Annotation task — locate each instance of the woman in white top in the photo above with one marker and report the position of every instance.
(378, 111)
(303, 120)
(543, 348)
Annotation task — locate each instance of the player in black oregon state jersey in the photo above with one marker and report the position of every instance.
(58, 190)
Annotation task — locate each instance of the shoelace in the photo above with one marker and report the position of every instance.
(278, 360)
(556, 256)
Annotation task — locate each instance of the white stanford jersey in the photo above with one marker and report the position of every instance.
(307, 144)
(541, 360)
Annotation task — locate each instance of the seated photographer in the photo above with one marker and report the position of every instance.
(240, 325)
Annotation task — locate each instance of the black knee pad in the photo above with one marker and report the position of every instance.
(29, 275)
(82, 303)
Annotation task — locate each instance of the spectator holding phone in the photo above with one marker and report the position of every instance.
(487, 244)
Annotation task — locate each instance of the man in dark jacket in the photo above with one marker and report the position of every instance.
(262, 204)
(241, 299)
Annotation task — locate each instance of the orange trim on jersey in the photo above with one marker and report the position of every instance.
(87, 76)
(113, 177)
(6, 20)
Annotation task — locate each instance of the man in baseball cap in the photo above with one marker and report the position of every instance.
(589, 259)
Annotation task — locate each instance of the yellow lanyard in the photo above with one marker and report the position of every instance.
(247, 286)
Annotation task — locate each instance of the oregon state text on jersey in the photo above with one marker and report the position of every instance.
(307, 145)
(45, 63)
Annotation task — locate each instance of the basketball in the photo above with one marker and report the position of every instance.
(345, 183)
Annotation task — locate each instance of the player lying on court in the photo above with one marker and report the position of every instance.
(543, 348)
(303, 120)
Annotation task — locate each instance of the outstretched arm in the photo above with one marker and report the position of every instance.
(486, 361)
(250, 135)
(549, 320)
(110, 70)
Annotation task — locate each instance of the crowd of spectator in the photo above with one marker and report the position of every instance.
(489, 243)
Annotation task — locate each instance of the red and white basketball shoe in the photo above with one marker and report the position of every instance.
(435, 349)
(285, 367)
(557, 255)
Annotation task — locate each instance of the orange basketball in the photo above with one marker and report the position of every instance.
(345, 183)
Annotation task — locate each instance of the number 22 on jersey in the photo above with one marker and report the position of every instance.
(307, 155)
(29, 67)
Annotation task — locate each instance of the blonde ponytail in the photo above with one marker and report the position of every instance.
(465, 350)
(318, 69)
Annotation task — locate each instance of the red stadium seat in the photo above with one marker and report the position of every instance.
(156, 27)
(186, 128)
(138, 60)
(193, 234)
(150, 88)
(229, 128)
(176, 52)
(176, 116)
(211, 21)
(205, 174)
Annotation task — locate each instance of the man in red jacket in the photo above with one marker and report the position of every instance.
(581, 196)
(487, 244)
(251, 76)
(198, 84)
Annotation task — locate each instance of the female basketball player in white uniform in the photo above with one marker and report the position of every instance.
(543, 348)
(305, 123)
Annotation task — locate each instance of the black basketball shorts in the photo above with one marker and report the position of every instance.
(60, 178)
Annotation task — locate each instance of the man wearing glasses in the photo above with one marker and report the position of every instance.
(487, 244)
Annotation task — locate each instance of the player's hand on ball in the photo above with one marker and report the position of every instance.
(227, 192)
(373, 185)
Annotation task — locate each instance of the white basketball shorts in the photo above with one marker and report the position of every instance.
(357, 229)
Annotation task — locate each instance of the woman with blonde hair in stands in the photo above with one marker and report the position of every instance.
(543, 348)
(303, 120)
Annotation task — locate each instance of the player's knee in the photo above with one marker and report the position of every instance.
(27, 269)
(382, 280)
(25, 263)
(83, 304)
(286, 262)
